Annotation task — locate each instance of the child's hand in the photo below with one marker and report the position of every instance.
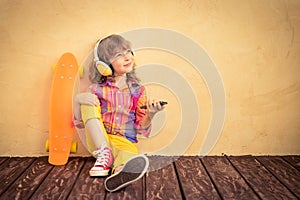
(87, 99)
(154, 106)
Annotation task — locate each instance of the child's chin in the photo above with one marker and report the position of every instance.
(128, 69)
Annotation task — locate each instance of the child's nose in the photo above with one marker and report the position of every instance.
(126, 56)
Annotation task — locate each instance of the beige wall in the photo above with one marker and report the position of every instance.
(254, 44)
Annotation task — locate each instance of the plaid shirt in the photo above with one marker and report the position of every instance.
(120, 109)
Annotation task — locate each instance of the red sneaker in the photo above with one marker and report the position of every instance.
(104, 161)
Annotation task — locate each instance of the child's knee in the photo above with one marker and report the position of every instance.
(90, 112)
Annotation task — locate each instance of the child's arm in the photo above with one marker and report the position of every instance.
(83, 98)
(153, 107)
(145, 111)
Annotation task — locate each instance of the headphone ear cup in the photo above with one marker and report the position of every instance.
(134, 60)
(134, 56)
(103, 68)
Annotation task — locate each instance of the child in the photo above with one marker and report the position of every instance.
(112, 115)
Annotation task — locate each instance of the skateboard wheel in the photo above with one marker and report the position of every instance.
(54, 68)
(73, 147)
(47, 145)
(81, 71)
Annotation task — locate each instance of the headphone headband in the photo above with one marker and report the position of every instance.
(96, 57)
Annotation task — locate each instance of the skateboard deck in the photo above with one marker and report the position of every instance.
(61, 129)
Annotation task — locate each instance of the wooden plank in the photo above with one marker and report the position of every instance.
(93, 188)
(27, 183)
(3, 159)
(242, 177)
(11, 169)
(132, 191)
(58, 184)
(161, 180)
(287, 174)
(87, 187)
(194, 180)
(228, 181)
(293, 160)
(260, 179)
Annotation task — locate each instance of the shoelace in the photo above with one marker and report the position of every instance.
(102, 156)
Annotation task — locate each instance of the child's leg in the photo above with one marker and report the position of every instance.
(97, 140)
(96, 133)
(122, 149)
(133, 166)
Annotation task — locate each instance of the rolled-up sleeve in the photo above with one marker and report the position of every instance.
(140, 114)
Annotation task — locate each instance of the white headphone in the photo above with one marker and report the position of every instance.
(103, 68)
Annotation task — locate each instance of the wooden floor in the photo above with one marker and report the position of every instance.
(224, 177)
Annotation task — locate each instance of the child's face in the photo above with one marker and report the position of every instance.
(122, 62)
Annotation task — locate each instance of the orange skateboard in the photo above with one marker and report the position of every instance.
(61, 129)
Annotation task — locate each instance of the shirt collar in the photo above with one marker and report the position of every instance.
(110, 83)
(107, 82)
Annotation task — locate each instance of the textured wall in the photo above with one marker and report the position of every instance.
(254, 44)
